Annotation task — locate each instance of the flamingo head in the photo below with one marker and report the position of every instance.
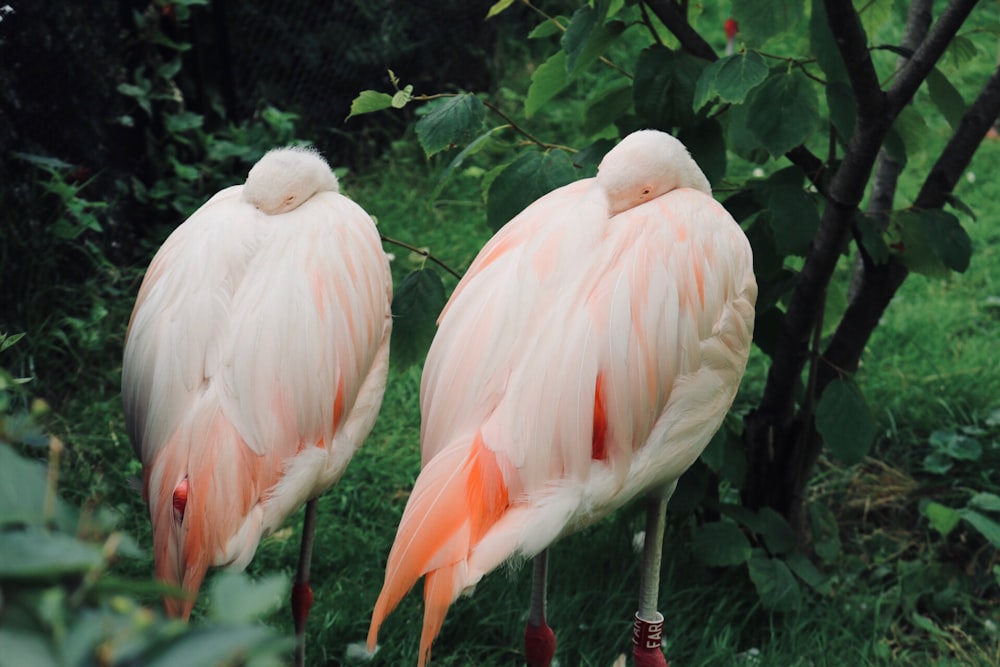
(286, 177)
(645, 165)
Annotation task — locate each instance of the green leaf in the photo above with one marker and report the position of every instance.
(960, 205)
(825, 532)
(725, 456)
(743, 515)
(720, 544)
(531, 175)
(209, 645)
(23, 486)
(807, 571)
(961, 50)
(369, 101)
(740, 138)
(872, 238)
(823, 46)
(840, 101)
(588, 158)
(7, 340)
(946, 97)
(21, 648)
(234, 597)
(664, 87)
(730, 79)
(588, 37)
(930, 626)
(912, 130)
(775, 584)
(416, 304)
(949, 240)
(760, 21)
(547, 81)
(987, 527)
(707, 145)
(714, 453)
(988, 502)
(844, 421)
(402, 97)
(606, 107)
(785, 110)
(452, 121)
(834, 307)
(938, 463)
(931, 242)
(874, 14)
(472, 148)
(956, 445)
(943, 519)
(498, 7)
(794, 219)
(182, 122)
(779, 538)
(548, 27)
(36, 554)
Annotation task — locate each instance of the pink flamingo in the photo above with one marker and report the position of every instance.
(254, 367)
(586, 358)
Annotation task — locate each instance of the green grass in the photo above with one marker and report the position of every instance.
(894, 569)
(901, 593)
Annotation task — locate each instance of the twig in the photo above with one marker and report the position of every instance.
(648, 22)
(423, 253)
(927, 54)
(517, 128)
(677, 23)
(801, 64)
(958, 152)
(852, 43)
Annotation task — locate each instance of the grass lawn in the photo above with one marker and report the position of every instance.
(904, 589)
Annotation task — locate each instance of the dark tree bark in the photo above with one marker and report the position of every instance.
(781, 443)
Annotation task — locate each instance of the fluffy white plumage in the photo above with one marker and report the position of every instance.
(255, 361)
(587, 356)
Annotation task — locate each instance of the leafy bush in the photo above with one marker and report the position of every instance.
(59, 605)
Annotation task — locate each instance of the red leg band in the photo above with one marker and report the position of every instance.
(539, 645)
(302, 602)
(647, 638)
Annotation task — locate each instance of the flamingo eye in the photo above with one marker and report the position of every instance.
(646, 191)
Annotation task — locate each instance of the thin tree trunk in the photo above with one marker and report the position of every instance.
(782, 445)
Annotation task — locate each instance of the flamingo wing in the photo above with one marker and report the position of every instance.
(584, 358)
(254, 366)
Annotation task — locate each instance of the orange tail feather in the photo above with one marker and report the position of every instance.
(458, 496)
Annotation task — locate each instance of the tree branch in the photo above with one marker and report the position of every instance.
(423, 253)
(962, 146)
(852, 42)
(879, 283)
(927, 54)
(676, 21)
(887, 170)
(845, 192)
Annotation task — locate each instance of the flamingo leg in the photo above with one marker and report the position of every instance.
(647, 630)
(539, 639)
(302, 595)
